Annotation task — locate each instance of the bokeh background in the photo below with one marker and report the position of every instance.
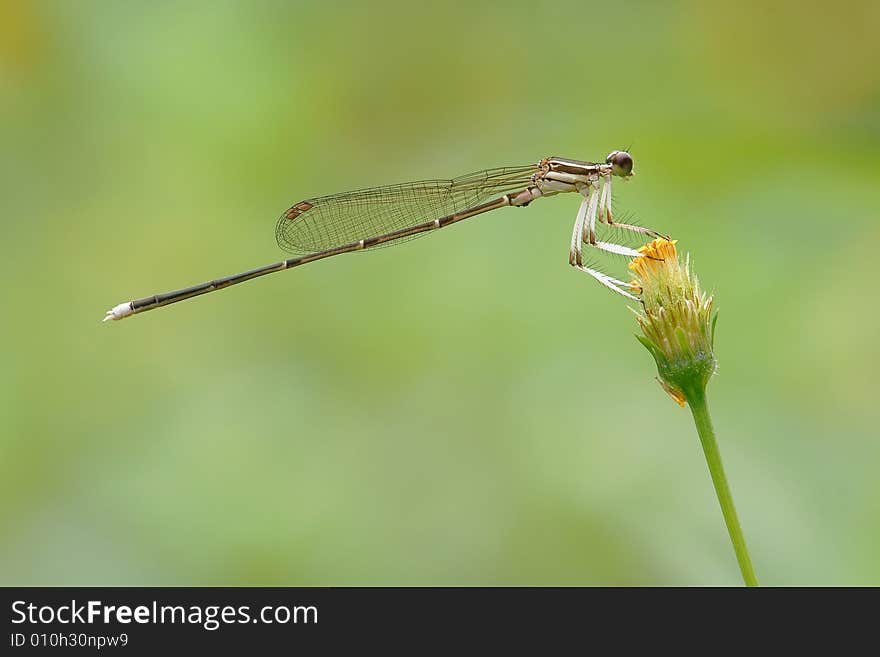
(462, 409)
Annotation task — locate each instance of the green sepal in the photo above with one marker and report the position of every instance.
(684, 345)
(650, 346)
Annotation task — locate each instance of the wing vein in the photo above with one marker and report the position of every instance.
(325, 222)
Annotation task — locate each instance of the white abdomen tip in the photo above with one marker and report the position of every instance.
(121, 311)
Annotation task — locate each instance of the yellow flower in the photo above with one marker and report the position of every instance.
(676, 319)
(654, 257)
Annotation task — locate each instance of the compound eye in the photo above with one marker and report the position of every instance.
(622, 163)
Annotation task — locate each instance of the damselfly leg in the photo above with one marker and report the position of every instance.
(606, 215)
(596, 205)
(584, 231)
(611, 283)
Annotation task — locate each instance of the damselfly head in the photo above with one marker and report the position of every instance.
(621, 163)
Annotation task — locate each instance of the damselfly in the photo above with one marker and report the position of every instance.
(368, 218)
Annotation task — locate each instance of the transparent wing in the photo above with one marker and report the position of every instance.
(321, 223)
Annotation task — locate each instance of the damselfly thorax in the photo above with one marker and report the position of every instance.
(325, 226)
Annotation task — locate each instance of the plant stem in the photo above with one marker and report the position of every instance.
(696, 398)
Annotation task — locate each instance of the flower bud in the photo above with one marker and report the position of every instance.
(677, 322)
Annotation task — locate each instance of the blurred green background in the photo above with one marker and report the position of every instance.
(462, 409)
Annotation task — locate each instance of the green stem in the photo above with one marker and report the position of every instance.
(697, 401)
